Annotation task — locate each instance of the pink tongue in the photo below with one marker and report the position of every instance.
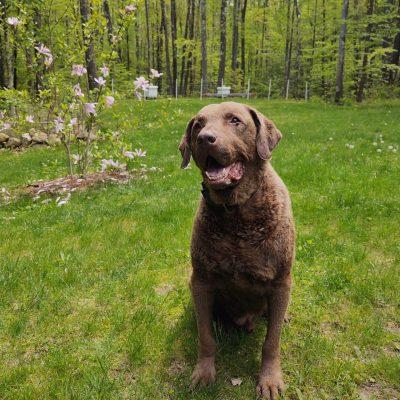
(214, 171)
(236, 171)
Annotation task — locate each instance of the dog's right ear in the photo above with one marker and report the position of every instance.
(184, 146)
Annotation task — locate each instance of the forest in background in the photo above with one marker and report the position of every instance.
(340, 48)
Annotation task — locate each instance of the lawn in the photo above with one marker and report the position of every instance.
(94, 294)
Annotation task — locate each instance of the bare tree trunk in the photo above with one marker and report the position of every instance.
(3, 40)
(137, 45)
(190, 55)
(341, 54)
(313, 39)
(89, 45)
(159, 54)
(323, 60)
(290, 47)
(395, 56)
(287, 46)
(128, 58)
(222, 50)
(184, 71)
(174, 48)
(243, 46)
(298, 49)
(203, 11)
(166, 40)
(364, 73)
(147, 7)
(107, 15)
(235, 34)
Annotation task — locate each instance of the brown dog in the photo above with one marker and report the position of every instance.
(243, 238)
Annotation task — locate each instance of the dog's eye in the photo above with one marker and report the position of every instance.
(235, 120)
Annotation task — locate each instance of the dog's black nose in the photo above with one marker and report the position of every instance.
(206, 138)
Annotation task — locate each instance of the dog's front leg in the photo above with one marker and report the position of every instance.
(203, 298)
(270, 383)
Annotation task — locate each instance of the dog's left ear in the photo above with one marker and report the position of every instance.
(268, 135)
(184, 146)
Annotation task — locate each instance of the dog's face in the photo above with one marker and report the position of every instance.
(229, 142)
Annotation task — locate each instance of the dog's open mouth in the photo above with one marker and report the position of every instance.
(219, 176)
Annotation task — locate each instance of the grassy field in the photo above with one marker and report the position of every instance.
(86, 310)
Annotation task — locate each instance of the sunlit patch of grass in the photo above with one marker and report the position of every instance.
(80, 315)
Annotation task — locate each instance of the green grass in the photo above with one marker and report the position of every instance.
(79, 314)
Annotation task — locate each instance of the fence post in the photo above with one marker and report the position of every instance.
(306, 94)
(287, 89)
(248, 89)
(176, 89)
(201, 89)
(269, 89)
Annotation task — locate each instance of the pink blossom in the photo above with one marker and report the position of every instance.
(154, 73)
(89, 108)
(141, 83)
(139, 153)
(138, 95)
(73, 122)
(130, 8)
(48, 57)
(100, 81)
(6, 125)
(59, 124)
(30, 119)
(78, 90)
(128, 154)
(109, 100)
(111, 164)
(14, 21)
(78, 70)
(105, 71)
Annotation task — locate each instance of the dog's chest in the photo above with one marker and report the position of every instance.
(236, 250)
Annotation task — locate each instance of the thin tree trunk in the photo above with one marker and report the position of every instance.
(313, 39)
(364, 73)
(174, 47)
(235, 33)
(395, 56)
(166, 40)
(222, 50)
(186, 35)
(89, 45)
(137, 45)
(287, 46)
(341, 54)
(190, 55)
(203, 11)
(159, 54)
(148, 37)
(128, 58)
(107, 15)
(289, 54)
(3, 40)
(243, 46)
(323, 59)
(298, 49)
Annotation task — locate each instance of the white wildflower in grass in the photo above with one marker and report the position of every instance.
(394, 150)
(139, 153)
(89, 108)
(128, 154)
(105, 71)
(390, 147)
(78, 70)
(379, 150)
(375, 143)
(62, 202)
(30, 119)
(100, 81)
(13, 21)
(109, 100)
(350, 146)
(331, 138)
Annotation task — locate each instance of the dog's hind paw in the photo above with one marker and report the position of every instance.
(204, 373)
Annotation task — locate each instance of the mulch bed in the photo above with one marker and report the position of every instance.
(68, 184)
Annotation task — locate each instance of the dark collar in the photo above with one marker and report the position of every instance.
(214, 206)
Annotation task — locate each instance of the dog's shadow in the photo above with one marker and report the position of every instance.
(238, 356)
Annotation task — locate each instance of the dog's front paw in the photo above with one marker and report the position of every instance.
(204, 373)
(270, 385)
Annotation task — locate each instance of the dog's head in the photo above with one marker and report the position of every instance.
(230, 143)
